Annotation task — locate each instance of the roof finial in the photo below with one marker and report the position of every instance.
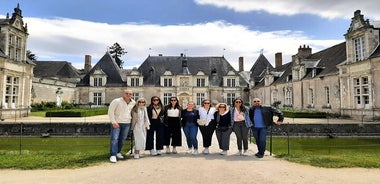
(261, 51)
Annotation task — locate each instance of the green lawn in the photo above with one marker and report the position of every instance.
(54, 153)
(331, 153)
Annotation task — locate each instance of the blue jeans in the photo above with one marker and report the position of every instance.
(191, 131)
(260, 135)
(118, 137)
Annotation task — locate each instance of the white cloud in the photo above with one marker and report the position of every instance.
(61, 38)
(323, 8)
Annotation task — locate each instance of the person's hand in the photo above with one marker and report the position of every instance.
(115, 125)
(279, 123)
(148, 127)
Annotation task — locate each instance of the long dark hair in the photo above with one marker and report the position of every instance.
(159, 102)
(242, 107)
(176, 106)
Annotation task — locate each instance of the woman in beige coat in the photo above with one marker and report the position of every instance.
(140, 124)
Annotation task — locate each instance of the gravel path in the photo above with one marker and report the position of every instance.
(187, 168)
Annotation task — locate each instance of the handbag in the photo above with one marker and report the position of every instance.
(201, 122)
(161, 118)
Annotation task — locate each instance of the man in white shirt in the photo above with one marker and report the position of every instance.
(119, 113)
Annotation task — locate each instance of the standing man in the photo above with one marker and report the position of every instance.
(119, 113)
(262, 118)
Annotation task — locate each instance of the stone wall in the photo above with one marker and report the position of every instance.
(103, 129)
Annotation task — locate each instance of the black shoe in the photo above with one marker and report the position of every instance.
(259, 155)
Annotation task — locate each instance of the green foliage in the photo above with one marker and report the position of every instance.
(54, 153)
(77, 112)
(303, 114)
(117, 51)
(330, 153)
(43, 106)
(276, 104)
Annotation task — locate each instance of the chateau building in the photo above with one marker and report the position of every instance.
(16, 71)
(340, 79)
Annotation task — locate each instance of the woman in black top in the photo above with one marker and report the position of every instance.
(155, 114)
(222, 117)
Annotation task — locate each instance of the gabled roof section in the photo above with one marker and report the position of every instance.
(258, 69)
(155, 66)
(376, 53)
(330, 58)
(2, 54)
(55, 69)
(108, 65)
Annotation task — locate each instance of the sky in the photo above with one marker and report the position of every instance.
(67, 30)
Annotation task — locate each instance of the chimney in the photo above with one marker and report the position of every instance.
(87, 63)
(304, 51)
(241, 64)
(278, 59)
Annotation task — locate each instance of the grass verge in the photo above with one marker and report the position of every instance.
(54, 153)
(329, 153)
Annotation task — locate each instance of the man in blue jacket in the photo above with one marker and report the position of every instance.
(262, 118)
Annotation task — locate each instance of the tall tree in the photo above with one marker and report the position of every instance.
(31, 56)
(116, 52)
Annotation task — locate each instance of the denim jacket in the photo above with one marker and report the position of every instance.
(248, 121)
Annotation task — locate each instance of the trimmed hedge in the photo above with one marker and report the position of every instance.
(77, 112)
(304, 114)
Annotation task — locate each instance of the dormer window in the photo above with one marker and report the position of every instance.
(98, 82)
(231, 82)
(201, 82)
(359, 48)
(135, 82)
(168, 82)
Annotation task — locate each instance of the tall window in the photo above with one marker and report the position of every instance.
(200, 97)
(97, 99)
(311, 96)
(201, 82)
(327, 95)
(359, 49)
(136, 96)
(135, 81)
(11, 91)
(361, 91)
(274, 96)
(230, 98)
(98, 82)
(167, 97)
(288, 96)
(231, 83)
(168, 82)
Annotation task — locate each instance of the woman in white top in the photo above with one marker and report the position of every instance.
(206, 123)
(140, 124)
(173, 133)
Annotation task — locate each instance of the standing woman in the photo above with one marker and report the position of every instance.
(207, 125)
(155, 114)
(173, 120)
(190, 127)
(241, 123)
(223, 130)
(140, 124)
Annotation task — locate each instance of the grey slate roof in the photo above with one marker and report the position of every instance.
(2, 54)
(108, 65)
(215, 67)
(258, 69)
(56, 69)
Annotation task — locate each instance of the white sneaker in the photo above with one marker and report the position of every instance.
(195, 152)
(245, 153)
(189, 151)
(224, 152)
(153, 153)
(239, 153)
(167, 150)
(113, 159)
(158, 152)
(174, 151)
(136, 156)
(119, 156)
(206, 151)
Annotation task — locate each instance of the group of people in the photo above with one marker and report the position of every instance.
(157, 127)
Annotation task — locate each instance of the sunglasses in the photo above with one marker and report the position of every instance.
(173, 100)
(238, 102)
(141, 102)
(155, 100)
(256, 101)
(222, 106)
(206, 103)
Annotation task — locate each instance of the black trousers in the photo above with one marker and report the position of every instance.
(207, 132)
(155, 127)
(173, 132)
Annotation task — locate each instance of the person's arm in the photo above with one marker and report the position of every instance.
(111, 114)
